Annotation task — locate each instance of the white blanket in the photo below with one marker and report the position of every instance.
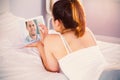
(25, 64)
(111, 52)
(15, 63)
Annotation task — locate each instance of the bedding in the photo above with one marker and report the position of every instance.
(18, 63)
(111, 52)
(25, 64)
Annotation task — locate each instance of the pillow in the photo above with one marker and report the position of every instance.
(12, 29)
(20, 63)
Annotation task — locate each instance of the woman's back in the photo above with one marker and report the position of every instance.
(84, 64)
(79, 58)
(75, 43)
(74, 39)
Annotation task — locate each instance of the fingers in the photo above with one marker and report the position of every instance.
(43, 28)
(31, 44)
(41, 35)
(43, 31)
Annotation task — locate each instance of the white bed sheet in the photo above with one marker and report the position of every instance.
(19, 64)
(25, 64)
(111, 52)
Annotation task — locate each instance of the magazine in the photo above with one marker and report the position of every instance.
(30, 29)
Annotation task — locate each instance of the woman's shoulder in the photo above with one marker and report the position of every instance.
(89, 31)
(89, 37)
(51, 38)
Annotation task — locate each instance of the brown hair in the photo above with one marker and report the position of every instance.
(72, 15)
(79, 17)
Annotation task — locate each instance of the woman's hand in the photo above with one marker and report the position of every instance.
(43, 31)
(37, 44)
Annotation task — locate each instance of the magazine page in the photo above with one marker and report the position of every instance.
(30, 29)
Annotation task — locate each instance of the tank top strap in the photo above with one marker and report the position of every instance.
(67, 47)
(91, 33)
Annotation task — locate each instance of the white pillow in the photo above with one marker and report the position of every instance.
(16, 63)
(12, 30)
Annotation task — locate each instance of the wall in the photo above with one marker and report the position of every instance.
(103, 16)
(27, 8)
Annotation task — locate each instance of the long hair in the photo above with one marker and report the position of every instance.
(72, 15)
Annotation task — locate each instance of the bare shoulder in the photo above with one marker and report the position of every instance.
(51, 39)
(89, 38)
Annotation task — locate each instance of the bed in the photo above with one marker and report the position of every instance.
(25, 64)
(110, 47)
(19, 63)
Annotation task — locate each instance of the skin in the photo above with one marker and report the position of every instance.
(31, 27)
(51, 47)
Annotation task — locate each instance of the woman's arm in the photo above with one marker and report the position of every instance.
(49, 61)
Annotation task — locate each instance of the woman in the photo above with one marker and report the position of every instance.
(74, 51)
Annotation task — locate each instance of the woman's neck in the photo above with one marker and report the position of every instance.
(66, 31)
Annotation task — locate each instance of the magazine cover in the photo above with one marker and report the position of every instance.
(30, 29)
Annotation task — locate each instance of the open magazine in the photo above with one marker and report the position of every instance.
(32, 27)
